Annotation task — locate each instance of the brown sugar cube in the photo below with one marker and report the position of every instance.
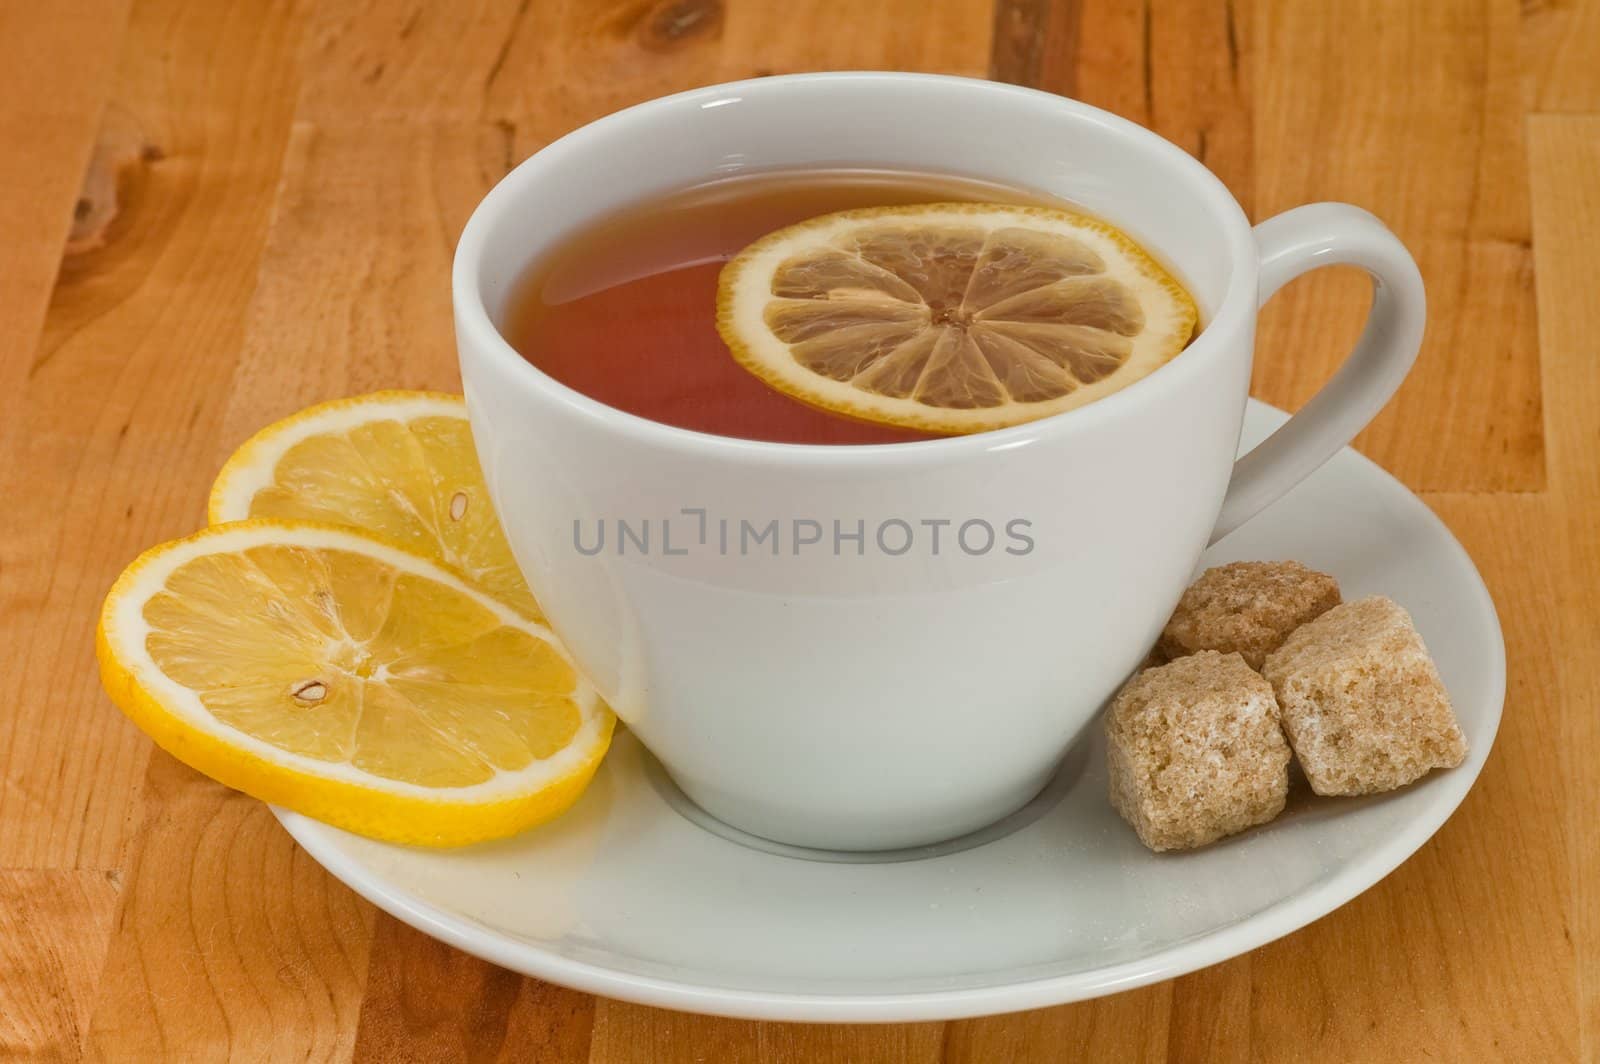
(1248, 608)
(1195, 751)
(1362, 701)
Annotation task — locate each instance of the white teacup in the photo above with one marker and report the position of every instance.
(829, 691)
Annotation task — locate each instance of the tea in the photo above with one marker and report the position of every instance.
(624, 311)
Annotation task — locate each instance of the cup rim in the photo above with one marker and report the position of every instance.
(474, 323)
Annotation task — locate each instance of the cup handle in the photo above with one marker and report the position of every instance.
(1296, 242)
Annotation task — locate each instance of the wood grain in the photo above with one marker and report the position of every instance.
(549, 1022)
(48, 128)
(1414, 113)
(1183, 69)
(550, 67)
(214, 217)
(230, 941)
(113, 432)
(633, 1034)
(427, 1001)
(1211, 1011)
(1560, 42)
(1129, 1026)
(1027, 38)
(54, 926)
(354, 289)
(1565, 153)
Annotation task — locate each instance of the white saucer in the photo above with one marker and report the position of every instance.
(627, 898)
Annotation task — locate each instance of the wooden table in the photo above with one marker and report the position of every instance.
(210, 218)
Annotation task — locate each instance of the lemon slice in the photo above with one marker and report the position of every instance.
(950, 317)
(350, 680)
(397, 464)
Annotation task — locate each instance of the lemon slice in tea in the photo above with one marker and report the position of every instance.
(350, 680)
(951, 317)
(397, 464)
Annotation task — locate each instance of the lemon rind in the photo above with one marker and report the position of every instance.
(175, 718)
(744, 290)
(251, 467)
